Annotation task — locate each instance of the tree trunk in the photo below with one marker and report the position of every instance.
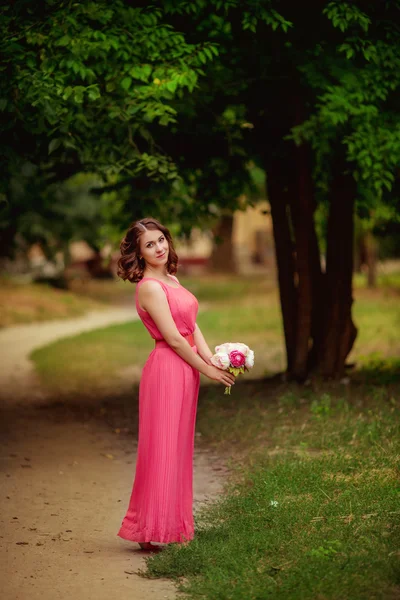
(340, 332)
(284, 251)
(370, 258)
(318, 293)
(222, 258)
(307, 260)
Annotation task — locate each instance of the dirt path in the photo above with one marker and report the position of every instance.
(17, 374)
(65, 481)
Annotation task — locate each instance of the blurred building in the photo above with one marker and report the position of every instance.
(250, 247)
(252, 238)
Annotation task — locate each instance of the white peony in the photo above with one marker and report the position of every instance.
(242, 348)
(250, 359)
(220, 360)
(227, 347)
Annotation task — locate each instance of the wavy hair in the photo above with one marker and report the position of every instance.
(130, 265)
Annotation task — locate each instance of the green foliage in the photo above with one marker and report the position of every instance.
(331, 548)
(356, 82)
(63, 212)
(343, 15)
(322, 407)
(93, 78)
(174, 103)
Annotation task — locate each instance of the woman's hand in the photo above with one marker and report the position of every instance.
(220, 375)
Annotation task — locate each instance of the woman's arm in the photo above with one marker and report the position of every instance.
(152, 298)
(202, 347)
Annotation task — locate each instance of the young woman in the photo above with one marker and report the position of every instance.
(161, 503)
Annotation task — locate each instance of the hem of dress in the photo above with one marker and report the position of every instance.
(141, 537)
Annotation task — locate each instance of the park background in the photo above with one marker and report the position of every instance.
(267, 138)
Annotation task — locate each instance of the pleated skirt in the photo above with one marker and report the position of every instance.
(161, 503)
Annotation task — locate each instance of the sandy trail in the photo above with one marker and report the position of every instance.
(65, 482)
(17, 373)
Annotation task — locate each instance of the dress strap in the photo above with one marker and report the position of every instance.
(174, 278)
(163, 285)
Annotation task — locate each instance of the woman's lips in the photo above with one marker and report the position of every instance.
(161, 255)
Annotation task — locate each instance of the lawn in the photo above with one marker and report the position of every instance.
(31, 303)
(232, 309)
(312, 509)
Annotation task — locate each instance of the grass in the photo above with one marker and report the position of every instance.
(312, 509)
(377, 316)
(93, 361)
(103, 359)
(32, 303)
(244, 309)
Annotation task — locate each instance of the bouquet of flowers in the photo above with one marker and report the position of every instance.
(233, 357)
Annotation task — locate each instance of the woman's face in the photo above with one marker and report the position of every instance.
(154, 247)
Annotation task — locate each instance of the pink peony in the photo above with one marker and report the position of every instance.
(237, 358)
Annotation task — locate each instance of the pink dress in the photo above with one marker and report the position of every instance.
(161, 503)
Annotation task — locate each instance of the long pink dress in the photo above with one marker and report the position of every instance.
(161, 503)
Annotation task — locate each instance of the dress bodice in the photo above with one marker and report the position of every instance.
(183, 305)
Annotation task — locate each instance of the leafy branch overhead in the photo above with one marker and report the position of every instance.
(356, 106)
(91, 79)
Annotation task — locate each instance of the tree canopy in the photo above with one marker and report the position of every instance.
(141, 90)
(170, 103)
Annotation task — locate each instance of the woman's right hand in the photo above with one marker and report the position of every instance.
(220, 375)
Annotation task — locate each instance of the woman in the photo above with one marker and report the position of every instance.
(161, 503)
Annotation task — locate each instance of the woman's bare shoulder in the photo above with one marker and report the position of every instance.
(151, 288)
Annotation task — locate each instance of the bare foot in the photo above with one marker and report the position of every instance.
(149, 547)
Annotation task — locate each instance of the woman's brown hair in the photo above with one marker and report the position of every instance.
(130, 266)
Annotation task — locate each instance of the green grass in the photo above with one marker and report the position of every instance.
(384, 279)
(98, 359)
(32, 303)
(245, 310)
(91, 362)
(331, 463)
(377, 316)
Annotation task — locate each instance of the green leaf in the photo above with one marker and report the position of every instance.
(126, 82)
(202, 57)
(93, 93)
(54, 144)
(171, 86)
(64, 41)
(67, 92)
(141, 72)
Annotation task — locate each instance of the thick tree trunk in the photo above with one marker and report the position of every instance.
(318, 292)
(307, 261)
(222, 257)
(284, 251)
(340, 332)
